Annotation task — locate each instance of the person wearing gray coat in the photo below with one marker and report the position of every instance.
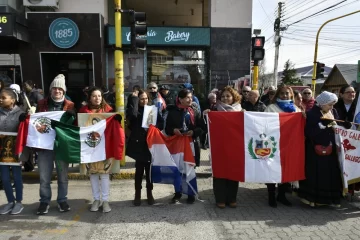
(10, 114)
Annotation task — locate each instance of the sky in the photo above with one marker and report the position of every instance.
(339, 41)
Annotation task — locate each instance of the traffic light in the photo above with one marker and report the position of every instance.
(320, 68)
(138, 31)
(257, 48)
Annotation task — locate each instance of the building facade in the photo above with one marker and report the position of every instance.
(204, 42)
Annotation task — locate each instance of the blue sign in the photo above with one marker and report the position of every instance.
(64, 33)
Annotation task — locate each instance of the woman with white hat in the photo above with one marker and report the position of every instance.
(323, 184)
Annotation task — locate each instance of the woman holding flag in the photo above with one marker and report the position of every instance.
(137, 147)
(225, 190)
(283, 102)
(182, 121)
(10, 116)
(97, 104)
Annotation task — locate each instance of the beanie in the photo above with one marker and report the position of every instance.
(58, 82)
(152, 84)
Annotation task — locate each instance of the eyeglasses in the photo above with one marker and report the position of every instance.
(306, 93)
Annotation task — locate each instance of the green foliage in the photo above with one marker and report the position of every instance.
(289, 75)
(250, 149)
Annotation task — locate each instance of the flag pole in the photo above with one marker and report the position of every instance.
(336, 120)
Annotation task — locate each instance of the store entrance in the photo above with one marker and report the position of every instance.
(77, 69)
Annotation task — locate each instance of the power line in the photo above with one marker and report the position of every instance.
(316, 13)
(306, 9)
(264, 11)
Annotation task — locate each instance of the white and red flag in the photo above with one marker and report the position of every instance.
(257, 147)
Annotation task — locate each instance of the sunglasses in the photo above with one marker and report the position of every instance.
(272, 93)
(152, 88)
(245, 91)
(306, 93)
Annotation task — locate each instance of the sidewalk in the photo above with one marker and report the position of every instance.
(126, 172)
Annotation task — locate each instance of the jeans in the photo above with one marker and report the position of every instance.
(5, 176)
(105, 186)
(46, 159)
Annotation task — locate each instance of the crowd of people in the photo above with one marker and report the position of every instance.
(180, 115)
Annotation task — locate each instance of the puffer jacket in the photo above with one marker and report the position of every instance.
(9, 120)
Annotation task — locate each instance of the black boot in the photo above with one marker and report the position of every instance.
(272, 200)
(150, 198)
(190, 199)
(281, 195)
(137, 199)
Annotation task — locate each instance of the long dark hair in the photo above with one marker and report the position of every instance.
(103, 102)
(142, 91)
(183, 93)
(2, 85)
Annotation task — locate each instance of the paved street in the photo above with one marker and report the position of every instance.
(253, 219)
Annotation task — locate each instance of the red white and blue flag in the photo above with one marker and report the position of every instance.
(172, 161)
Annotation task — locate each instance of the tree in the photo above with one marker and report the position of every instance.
(289, 74)
(264, 78)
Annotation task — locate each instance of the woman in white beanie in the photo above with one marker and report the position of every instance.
(55, 102)
(323, 184)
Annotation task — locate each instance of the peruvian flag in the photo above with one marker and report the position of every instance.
(257, 147)
(103, 140)
(172, 161)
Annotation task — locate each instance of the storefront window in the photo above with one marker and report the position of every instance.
(176, 67)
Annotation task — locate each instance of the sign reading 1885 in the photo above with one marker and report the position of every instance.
(64, 33)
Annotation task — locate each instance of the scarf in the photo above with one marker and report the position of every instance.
(286, 105)
(236, 107)
(189, 112)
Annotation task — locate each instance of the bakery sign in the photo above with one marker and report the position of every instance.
(181, 36)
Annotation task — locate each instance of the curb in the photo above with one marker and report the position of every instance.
(114, 176)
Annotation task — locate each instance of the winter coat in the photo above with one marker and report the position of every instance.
(343, 114)
(259, 106)
(169, 98)
(137, 147)
(34, 97)
(308, 104)
(104, 166)
(9, 122)
(45, 104)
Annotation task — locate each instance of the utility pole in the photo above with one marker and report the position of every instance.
(277, 42)
(119, 75)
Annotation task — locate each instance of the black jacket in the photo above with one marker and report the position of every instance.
(258, 107)
(175, 120)
(169, 98)
(343, 114)
(137, 147)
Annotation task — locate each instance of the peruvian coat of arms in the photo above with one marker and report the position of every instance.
(262, 148)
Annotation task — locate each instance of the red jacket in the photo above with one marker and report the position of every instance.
(85, 109)
(43, 105)
(308, 104)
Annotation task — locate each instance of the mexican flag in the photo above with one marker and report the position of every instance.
(103, 140)
(36, 131)
(257, 147)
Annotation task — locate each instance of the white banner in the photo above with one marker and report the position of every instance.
(348, 146)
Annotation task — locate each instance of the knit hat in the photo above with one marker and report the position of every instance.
(58, 82)
(188, 86)
(326, 98)
(16, 88)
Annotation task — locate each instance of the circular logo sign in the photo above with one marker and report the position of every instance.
(64, 33)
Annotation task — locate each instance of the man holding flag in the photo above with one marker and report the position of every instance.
(55, 102)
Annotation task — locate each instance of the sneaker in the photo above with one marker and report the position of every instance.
(176, 198)
(6, 208)
(43, 208)
(106, 207)
(95, 206)
(63, 207)
(18, 207)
